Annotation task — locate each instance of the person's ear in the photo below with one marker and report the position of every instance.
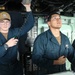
(48, 23)
(10, 25)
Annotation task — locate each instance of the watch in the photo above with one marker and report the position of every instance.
(5, 46)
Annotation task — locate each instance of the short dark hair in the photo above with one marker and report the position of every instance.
(50, 15)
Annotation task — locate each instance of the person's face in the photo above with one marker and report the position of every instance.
(55, 21)
(4, 25)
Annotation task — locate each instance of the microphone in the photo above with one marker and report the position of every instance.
(26, 1)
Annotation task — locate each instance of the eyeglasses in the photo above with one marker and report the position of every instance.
(56, 17)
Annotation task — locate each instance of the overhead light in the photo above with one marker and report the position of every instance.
(60, 10)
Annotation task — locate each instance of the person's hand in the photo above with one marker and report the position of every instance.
(61, 60)
(27, 6)
(12, 42)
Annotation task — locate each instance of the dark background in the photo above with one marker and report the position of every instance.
(42, 6)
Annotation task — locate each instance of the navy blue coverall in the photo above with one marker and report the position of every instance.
(47, 49)
(72, 66)
(9, 65)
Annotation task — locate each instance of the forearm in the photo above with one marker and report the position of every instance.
(28, 24)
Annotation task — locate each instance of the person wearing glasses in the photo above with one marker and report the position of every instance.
(9, 65)
(52, 47)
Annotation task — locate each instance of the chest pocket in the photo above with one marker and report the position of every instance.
(52, 50)
(64, 49)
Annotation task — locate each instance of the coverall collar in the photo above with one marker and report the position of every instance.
(51, 37)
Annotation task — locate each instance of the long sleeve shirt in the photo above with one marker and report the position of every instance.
(46, 49)
(10, 55)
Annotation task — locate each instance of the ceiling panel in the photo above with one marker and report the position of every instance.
(41, 6)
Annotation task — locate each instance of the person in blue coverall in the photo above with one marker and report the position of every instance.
(9, 65)
(52, 47)
(72, 66)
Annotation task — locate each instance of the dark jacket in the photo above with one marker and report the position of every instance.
(47, 49)
(72, 66)
(73, 44)
(10, 56)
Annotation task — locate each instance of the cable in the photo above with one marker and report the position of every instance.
(68, 6)
(5, 2)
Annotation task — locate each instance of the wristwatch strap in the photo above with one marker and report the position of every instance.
(5, 46)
